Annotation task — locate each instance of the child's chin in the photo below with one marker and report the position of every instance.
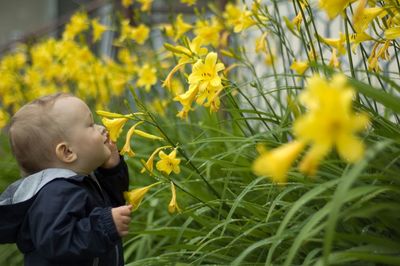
(107, 155)
(107, 151)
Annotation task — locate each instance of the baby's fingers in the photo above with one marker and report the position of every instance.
(123, 210)
(123, 233)
(126, 220)
(126, 210)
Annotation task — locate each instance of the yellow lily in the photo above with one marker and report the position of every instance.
(127, 147)
(363, 16)
(168, 163)
(299, 66)
(173, 204)
(147, 135)
(114, 126)
(277, 162)
(148, 165)
(135, 196)
(116, 115)
(392, 33)
(333, 7)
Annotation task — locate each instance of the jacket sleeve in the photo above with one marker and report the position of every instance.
(62, 227)
(114, 181)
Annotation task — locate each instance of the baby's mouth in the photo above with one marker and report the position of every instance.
(107, 139)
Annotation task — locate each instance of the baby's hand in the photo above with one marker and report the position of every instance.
(114, 158)
(122, 218)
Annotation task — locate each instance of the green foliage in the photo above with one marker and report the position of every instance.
(344, 215)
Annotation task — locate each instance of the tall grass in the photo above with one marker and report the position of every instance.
(347, 214)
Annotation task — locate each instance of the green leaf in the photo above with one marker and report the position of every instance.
(388, 100)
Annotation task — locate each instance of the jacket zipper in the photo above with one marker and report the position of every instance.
(96, 261)
(117, 252)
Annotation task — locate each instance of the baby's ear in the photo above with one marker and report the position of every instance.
(64, 153)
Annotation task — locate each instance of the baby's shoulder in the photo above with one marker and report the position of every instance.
(64, 187)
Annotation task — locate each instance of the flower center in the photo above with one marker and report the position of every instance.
(206, 74)
(334, 127)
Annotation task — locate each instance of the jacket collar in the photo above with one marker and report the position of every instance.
(25, 188)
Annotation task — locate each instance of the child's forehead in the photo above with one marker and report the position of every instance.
(71, 101)
(71, 107)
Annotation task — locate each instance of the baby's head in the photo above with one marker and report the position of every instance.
(57, 131)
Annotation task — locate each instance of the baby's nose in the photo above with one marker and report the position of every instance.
(102, 129)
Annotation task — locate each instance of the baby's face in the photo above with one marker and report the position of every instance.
(86, 139)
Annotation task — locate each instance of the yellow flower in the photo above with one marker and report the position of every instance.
(205, 81)
(147, 77)
(373, 63)
(313, 157)
(392, 33)
(298, 18)
(363, 16)
(140, 34)
(261, 43)
(277, 162)
(147, 135)
(126, 30)
(206, 73)
(187, 54)
(146, 5)
(173, 204)
(148, 165)
(334, 61)
(77, 24)
(126, 149)
(186, 99)
(13, 61)
(133, 131)
(127, 146)
(169, 30)
(114, 126)
(337, 43)
(188, 2)
(168, 80)
(289, 24)
(382, 53)
(168, 163)
(209, 31)
(395, 19)
(127, 3)
(294, 24)
(333, 7)
(135, 196)
(357, 38)
(129, 60)
(98, 30)
(176, 86)
(236, 18)
(299, 66)
(116, 115)
(329, 122)
(181, 27)
(269, 59)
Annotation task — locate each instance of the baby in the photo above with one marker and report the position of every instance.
(69, 209)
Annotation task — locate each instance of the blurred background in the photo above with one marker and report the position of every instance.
(25, 20)
(229, 215)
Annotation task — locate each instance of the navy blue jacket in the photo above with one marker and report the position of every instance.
(57, 217)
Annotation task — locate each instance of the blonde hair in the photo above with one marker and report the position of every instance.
(34, 134)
